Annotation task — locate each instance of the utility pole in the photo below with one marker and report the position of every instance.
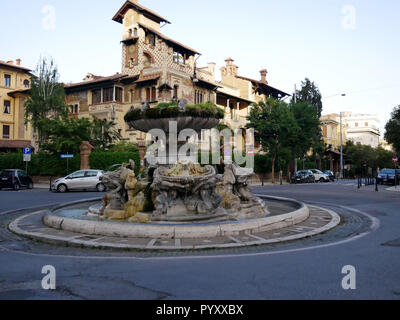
(341, 143)
(295, 101)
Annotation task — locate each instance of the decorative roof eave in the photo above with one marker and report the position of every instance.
(130, 41)
(146, 80)
(268, 90)
(206, 85)
(265, 88)
(94, 83)
(14, 144)
(230, 96)
(23, 92)
(15, 67)
(118, 17)
(173, 43)
(164, 87)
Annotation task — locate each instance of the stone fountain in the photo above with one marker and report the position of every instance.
(178, 191)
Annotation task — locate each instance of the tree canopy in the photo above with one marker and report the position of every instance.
(392, 134)
(310, 93)
(47, 97)
(275, 128)
(307, 120)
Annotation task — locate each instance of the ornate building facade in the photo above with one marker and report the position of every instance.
(156, 69)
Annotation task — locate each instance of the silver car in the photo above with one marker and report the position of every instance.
(80, 180)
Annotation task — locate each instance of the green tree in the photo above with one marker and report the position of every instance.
(307, 120)
(125, 146)
(275, 128)
(104, 133)
(47, 98)
(392, 128)
(64, 135)
(310, 93)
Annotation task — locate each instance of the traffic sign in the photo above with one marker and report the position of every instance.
(27, 150)
(395, 159)
(27, 157)
(67, 156)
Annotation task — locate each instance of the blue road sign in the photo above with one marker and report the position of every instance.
(67, 156)
(27, 150)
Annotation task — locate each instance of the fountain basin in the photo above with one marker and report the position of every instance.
(183, 122)
(154, 230)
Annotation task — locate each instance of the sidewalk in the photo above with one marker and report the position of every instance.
(42, 186)
(394, 189)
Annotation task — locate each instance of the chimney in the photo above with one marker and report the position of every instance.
(230, 69)
(211, 67)
(264, 76)
(229, 61)
(18, 62)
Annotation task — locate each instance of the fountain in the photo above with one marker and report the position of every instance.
(176, 205)
(181, 191)
(177, 198)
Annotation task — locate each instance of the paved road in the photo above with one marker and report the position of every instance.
(11, 200)
(264, 273)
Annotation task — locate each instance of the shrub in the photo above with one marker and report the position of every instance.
(104, 160)
(52, 165)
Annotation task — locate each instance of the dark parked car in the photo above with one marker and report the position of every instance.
(303, 176)
(388, 176)
(331, 175)
(15, 179)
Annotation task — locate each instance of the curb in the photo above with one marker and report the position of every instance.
(186, 231)
(81, 240)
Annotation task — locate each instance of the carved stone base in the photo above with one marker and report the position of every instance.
(111, 214)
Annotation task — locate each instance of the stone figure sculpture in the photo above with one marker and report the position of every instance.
(182, 105)
(179, 192)
(236, 195)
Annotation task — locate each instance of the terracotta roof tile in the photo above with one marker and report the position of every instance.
(5, 64)
(164, 37)
(129, 4)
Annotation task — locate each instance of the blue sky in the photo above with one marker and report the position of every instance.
(357, 54)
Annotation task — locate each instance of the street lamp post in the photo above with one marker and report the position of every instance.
(341, 144)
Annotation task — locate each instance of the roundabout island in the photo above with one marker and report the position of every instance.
(176, 204)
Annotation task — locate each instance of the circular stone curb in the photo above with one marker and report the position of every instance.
(79, 240)
(186, 231)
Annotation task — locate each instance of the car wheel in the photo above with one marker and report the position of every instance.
(101, 187)
(30, 185)
(322, 180)
(17, 187)
(62, 188)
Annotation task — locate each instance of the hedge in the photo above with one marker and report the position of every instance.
(53, 165)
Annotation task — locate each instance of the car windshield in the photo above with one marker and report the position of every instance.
(5, 174)
(387, 171)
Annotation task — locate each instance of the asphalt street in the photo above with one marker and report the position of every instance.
(299, 270)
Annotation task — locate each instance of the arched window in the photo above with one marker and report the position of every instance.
(26, 83)
(146, 60)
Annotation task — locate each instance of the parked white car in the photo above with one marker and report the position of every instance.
(80, 180)
(320, 176)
